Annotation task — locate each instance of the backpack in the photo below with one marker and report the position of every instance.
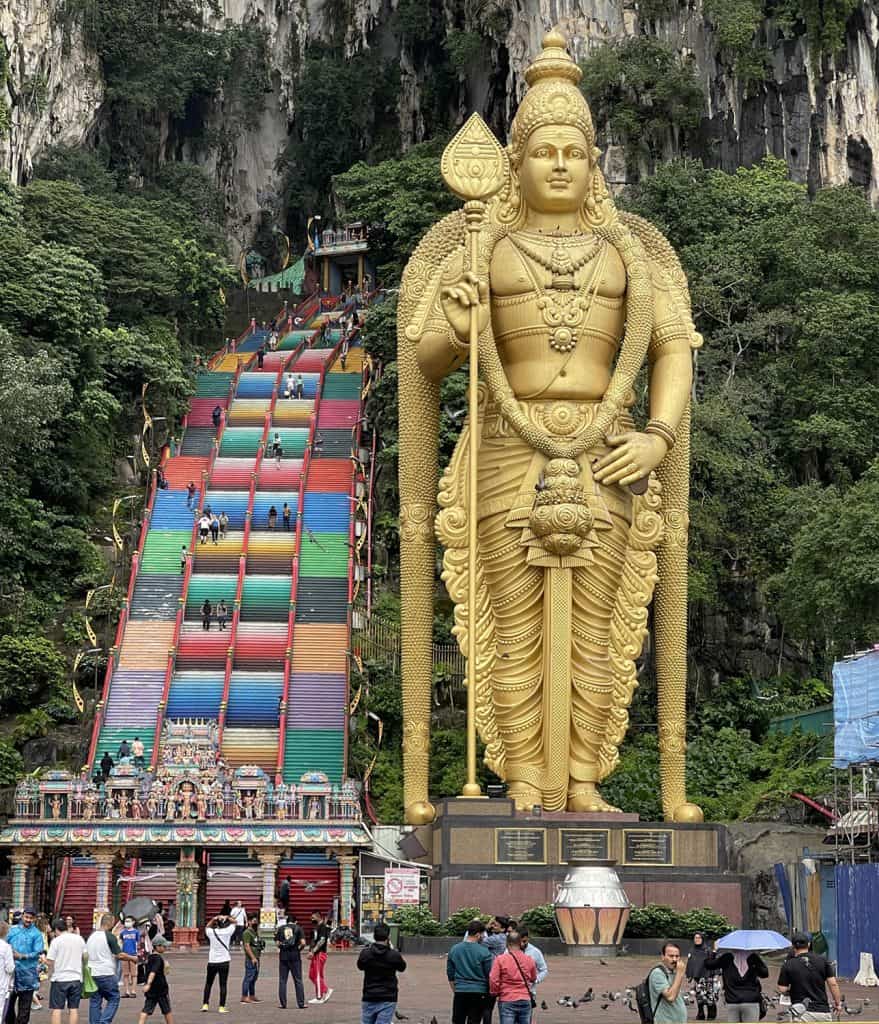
(643, 1000)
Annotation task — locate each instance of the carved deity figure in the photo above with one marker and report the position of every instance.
(579, 509)
(55, 804)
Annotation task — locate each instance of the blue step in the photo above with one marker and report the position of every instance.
(327, 512)
(233, 503)
(255, 385)
(170, 511)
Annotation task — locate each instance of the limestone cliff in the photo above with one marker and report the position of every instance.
(821, 116)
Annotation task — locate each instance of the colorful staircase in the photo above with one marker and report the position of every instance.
(276, 679)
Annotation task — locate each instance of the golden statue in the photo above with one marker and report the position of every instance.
(578, 514)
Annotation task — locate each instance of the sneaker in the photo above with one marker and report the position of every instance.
(222, 1010)
(205, 1008)
(326, 998)
(311, 1002)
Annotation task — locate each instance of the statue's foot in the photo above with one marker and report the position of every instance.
(585, 797)
(524, 795)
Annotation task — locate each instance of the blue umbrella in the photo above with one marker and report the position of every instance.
(752, 939)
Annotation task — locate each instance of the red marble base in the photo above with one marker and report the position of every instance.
(185, 938)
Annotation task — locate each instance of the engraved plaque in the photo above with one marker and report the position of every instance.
(648, 846)
(520, 846)
(583, 844)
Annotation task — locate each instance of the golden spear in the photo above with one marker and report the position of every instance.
(474, 166)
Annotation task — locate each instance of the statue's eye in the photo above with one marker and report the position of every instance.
(576, 153)
(542, 152)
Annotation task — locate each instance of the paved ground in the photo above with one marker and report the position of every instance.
(424, 993)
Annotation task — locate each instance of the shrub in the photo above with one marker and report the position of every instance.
(11, 765)
(540, 920)
(417, 921)
(457, 922)
(656, 921)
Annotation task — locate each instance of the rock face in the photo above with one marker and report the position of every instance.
(823, 120)
(53, 88)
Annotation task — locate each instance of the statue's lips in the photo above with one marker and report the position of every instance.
(559, 184)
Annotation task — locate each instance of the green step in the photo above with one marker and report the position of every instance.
(293, 340)
(213, 385)
(342, 385)
(240, 441)
(308, 750)
(161, 552)
(324, 555)
(293, 441)
(266, 591)
(214, 588)
(111, 738)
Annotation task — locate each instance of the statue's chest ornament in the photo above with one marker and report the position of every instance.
(564, 308)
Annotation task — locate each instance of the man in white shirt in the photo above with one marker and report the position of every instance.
(103, 951)
(64, 961)
(219, 932)
(239, 916)
(7, 969)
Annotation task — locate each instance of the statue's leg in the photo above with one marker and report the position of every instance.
(516, 593)
(594, 594)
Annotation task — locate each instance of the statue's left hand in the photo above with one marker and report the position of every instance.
(634, 456)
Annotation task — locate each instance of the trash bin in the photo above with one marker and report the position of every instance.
(394, 937)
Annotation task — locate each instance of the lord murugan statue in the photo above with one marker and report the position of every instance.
(580, 515)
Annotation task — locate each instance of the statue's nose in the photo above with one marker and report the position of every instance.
(560, 160)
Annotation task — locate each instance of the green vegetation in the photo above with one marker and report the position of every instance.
(644, 93)
(104, 290)
(656, 921)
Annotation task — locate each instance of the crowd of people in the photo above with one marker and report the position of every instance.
(807, 983)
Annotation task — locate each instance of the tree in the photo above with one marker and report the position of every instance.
(29, 665)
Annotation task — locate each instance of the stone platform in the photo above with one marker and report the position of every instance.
(486, 854)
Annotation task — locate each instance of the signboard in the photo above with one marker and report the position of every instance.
(520, 846)
(648, 846)
(583, 844)
(402, 886)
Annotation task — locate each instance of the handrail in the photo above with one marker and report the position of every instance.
(370, 497)
(294, 581)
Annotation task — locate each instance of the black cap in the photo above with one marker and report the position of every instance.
(800, 939)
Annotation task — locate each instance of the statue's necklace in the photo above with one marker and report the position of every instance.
(563, 309)
(561, 262)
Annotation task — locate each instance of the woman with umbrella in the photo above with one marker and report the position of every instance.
(706, 984)
(741, 968)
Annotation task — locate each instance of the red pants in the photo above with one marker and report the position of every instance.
(316, 974)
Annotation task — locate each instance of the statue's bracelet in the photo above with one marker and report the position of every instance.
(660, 429)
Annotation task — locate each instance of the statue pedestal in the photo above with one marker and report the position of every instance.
(486, 854)
(186, 938)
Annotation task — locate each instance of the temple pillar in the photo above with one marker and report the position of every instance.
(23, 860)
(104, 882)
(326, 274)
(269, 859)
(186, 928)
(359, 271)
(347, 865)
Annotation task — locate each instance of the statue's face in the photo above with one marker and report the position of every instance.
(555, 170)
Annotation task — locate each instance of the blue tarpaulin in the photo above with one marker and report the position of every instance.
(857, 910)
(856, 710)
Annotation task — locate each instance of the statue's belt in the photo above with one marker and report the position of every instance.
(556, 416)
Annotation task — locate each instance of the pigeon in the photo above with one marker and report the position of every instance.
(433, 1020)
(543, 1005)
(604, 1006)
(588, 996)
(853, 1013)
(399, 1015)
(603, 963)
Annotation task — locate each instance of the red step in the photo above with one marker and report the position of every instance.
(330, 475)
(80, 893)
(201, 410)
(180, 470)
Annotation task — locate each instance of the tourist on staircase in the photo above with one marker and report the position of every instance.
(190, 494)
(184, 554)
(217, 416)
(285, 515)
(219, 932)
(273, 517)
(215, 529)
(137, 749)
(206, 612)
(222, 614)
(204, 525)
(224, 525)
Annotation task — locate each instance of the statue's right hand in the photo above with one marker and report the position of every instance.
(458, 299)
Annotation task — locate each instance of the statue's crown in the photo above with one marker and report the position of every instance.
(553, 97)
(554, 61)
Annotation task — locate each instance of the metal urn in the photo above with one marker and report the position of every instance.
(591, 908)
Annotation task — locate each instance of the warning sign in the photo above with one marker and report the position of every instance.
(402, 886)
